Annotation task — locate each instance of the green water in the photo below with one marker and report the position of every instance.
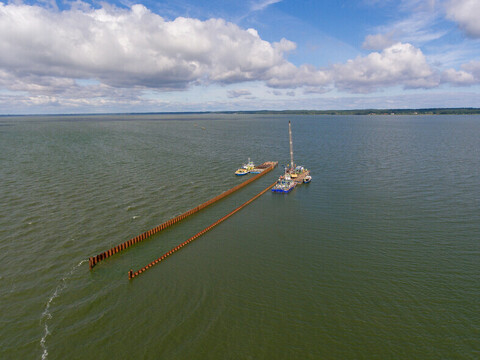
(377, 258)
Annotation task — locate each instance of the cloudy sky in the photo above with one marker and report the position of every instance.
(186, 55)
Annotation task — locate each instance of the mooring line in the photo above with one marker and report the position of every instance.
(132, 274)
(92, 261)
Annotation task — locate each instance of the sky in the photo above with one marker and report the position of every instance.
(60, 57)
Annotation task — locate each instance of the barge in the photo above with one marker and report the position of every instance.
(293, 175)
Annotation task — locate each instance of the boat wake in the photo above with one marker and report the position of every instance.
(47, 315)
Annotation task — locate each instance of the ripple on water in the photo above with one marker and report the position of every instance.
(377, 255)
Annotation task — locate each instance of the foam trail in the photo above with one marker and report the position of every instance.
(47, 315)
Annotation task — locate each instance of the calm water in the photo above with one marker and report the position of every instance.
(377, 258)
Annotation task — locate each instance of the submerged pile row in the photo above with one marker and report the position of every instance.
(132, 274)
(92, 261)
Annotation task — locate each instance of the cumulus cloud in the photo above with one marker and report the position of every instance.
(474, 68)
(399, 64)
(465, 13)
(287, 75)
(52, 92)
(456, 77)
(468, 75)
(121, 53)
(378, 41)
(137, 48)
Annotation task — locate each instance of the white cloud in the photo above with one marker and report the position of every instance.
(101, 57)
(137, 48)
(456, 77)
(400, 64)
(284, 45)
(474, 68)
(465, 13)
(378, 41)
(413, 21)
(51, 92)
(287, 75)
(262, 4)
(468, 75)
(419, 28)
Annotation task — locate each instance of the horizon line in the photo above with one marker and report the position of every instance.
(297, 111)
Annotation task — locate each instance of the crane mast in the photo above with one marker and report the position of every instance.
(291, 144)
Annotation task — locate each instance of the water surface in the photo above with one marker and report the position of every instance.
(377, 258)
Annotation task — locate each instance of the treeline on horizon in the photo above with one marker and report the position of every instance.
(431, 111)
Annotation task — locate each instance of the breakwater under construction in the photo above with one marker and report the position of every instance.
(94, 260)
(132, 274)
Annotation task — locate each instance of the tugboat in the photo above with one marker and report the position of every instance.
(241, 172)
(246, 168)
(284, 184)
(249, 165)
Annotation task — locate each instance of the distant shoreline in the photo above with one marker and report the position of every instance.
(427, 111)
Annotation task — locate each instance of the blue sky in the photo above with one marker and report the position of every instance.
(185, 55)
